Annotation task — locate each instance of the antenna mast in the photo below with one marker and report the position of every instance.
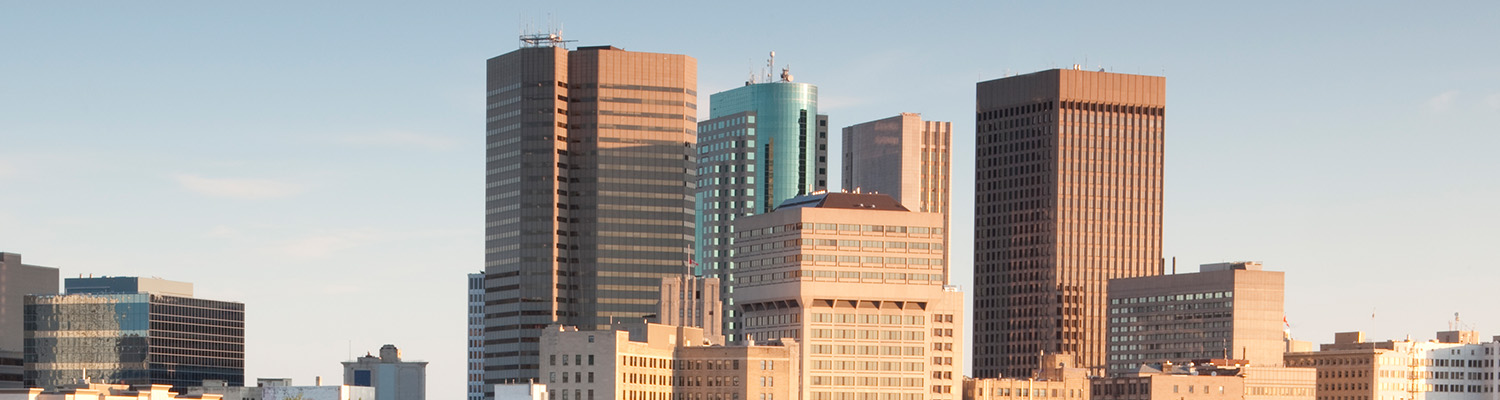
(551, 38)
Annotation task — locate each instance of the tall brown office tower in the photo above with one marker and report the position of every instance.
(1068, 196)
(589, 191)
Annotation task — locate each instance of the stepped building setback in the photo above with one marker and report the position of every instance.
(857, 279)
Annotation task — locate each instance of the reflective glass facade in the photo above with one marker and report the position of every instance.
(135, 338)
(763, 143)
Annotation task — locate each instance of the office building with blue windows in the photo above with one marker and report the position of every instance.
(136, 331)
(763, 143)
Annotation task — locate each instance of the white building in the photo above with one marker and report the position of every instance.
(1455, 366)
(341, 392)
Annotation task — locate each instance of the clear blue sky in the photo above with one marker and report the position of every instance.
(323, 162)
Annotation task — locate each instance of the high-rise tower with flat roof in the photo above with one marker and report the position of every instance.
(589, 191)
(1068, 196)
(763, 143)
(902, 156)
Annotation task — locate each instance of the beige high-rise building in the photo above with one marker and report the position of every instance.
(636, 361)
(858, 280)
(902, 156)
(590, 171)
(1225, 311)
(1068, 196)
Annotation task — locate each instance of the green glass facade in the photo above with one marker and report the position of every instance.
(762, 144)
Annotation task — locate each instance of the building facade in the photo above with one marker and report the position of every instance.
(763, 143)
(866, 301)
(590, 163)
(1169, 386)
(392, 378)
(475, 348)
(101, 392)
(136, 331)
(17, 280)
(661, 362)
(1455, 366)
(1068, 195)
(693, 301)
(1058, 377)
(902, 156)
(1226, 310)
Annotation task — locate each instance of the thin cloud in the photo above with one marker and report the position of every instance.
(249, 189)
(325, 244)
(399, 140)
(1443, 101)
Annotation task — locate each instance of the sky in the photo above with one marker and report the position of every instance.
(322, 162)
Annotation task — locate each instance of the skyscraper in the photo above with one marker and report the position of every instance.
(589, 191)
(135, 331)
(16, 281)
(904, 157)
(1068, 196)
(763, 143)
(1226, 310)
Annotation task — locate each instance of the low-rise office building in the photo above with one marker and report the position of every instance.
(1226, 310)
(1455, 366)
(135, 331)
(641, 361)
(99, 391)
(392, 378)
(1058, 377)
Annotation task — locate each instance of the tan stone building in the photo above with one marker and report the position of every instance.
(1225, 311)
(858, 279)
(99, 391)
(659, 362)
(1068, 196)
(904, 157)
(1058, 377)
(1455, 366)
(695, 302)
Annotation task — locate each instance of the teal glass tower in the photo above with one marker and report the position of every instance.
(763, 143)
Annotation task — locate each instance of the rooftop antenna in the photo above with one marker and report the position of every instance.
(551, 38)
(770, 66)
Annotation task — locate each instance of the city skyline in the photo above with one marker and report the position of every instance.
(343, 158)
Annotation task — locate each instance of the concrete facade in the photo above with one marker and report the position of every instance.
(904, 157)
(392, 378)
(660, 362)
(1226, 310)
(590, 172)
(520, 391)
(101, 392)
(858, 279)
(693, 301)
(16, 281)
(340, 392)
(1455, 366)
(1169, 387)
(1058, 377)
(1068, 195)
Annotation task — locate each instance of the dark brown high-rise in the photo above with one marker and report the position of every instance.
(1068, 196)
(590, 171)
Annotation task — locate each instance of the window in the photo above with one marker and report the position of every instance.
(552, 360)
(591, 357)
